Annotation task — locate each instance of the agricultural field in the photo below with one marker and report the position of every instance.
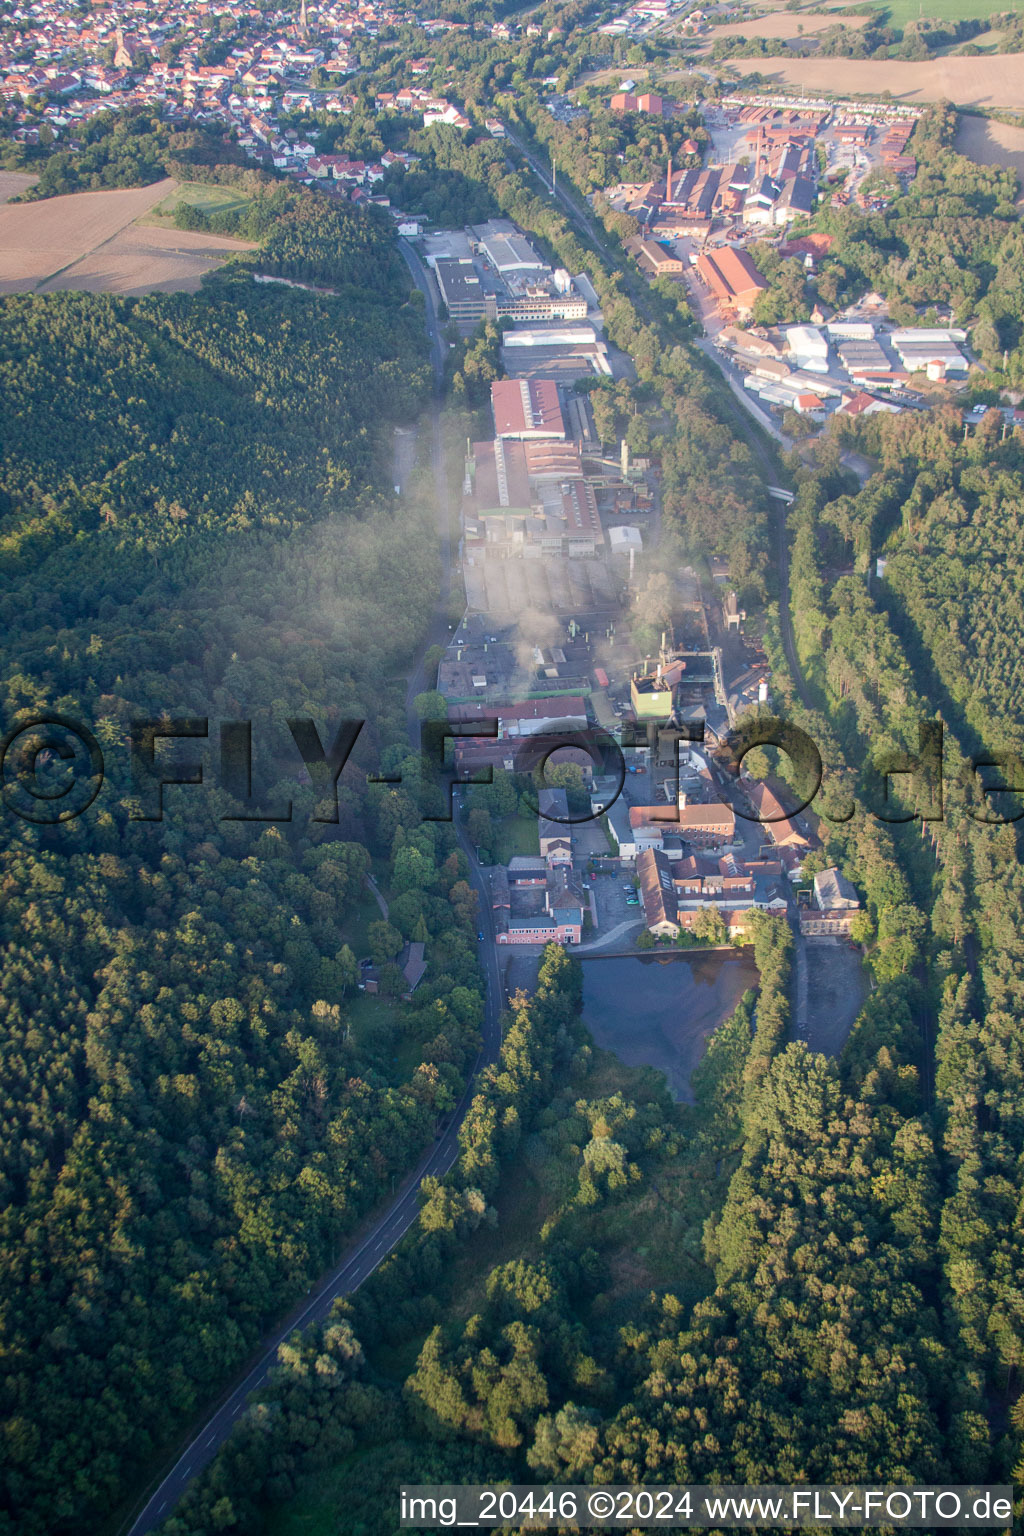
(13, 182)
(902, 11)
(993, 80)
(94, 241)
(782, 24)
(198, 194)
(145, 260)
(991, 143)
(897, 12)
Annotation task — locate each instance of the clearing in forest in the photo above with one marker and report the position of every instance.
(207, 196)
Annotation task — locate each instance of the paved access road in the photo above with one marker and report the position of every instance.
(366, 1254)
(369, 1251)
(372, 1246)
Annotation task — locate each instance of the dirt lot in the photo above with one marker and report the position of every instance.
(13, 182)
(989, 143)
(984, 82)
(90, 241)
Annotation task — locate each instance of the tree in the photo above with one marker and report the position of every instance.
(478, 824)
(709, 925)
(385, 942)
(431, 705)
(566, 1443)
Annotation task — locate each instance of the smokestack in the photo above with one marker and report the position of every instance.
(668, 181)
(624, 458)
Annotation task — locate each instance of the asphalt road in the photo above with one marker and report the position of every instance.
(372, 1246)
(438, 632)
(356, 1267)
(419, 276)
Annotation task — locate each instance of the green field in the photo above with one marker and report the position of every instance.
(200, 194)
(515, 835)
(900, 12)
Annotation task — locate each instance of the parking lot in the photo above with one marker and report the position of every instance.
(613, 907)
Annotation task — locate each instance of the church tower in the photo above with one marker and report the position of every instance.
(122, 58)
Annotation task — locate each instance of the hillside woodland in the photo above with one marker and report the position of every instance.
(196, 520)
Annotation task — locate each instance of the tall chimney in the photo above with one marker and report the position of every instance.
(668, 180)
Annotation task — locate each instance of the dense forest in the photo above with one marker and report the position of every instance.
(884, 656)
(196, 519)
(614, 1288)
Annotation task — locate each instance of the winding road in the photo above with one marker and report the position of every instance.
(377, 1238)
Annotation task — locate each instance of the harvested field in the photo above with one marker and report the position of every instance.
(784, 24)
(146, 260)
(38, 240)
(13, 182)
(91, 241)
(990, 143)
(988, 81)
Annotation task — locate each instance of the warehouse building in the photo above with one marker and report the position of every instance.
(920, 348)
(462, 291)
(653, 258)
(527, 409)
(808, 347)
(733, 279)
